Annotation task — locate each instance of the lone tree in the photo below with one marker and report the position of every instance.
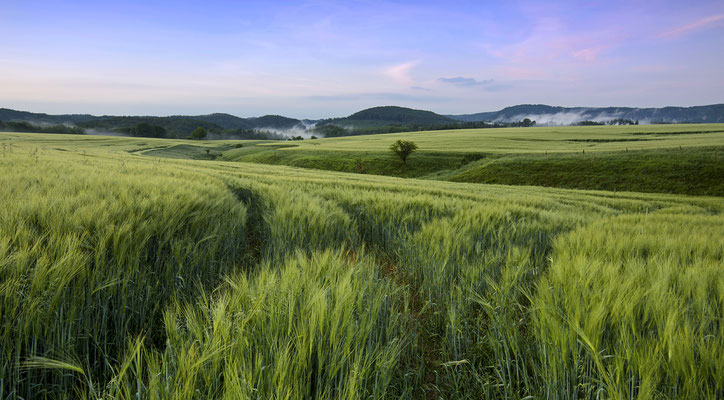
(403, 148)
(198, 133)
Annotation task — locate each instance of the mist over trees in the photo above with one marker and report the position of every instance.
(331, 130)
(27, 127)
(617, 121)
(622, 121)
(376, 120)
(553, 115)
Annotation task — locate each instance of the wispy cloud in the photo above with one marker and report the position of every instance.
(588, 53)
(698, 24)
(400, 73)
(377, 97)
(461, 81)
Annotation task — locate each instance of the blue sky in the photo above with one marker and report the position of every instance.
(319, 59)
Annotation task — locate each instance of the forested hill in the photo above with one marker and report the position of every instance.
(274, 122)
(176, 125)
(228, 121)
(389, 115)
(552, 115)
(7, 114)
(386, 119)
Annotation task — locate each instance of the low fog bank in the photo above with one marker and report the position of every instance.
(571, 118)
(104, 132)
(263, 134)
(290, 133)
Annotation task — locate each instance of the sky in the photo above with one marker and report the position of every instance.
(320, 59)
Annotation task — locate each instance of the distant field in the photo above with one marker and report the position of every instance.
(167, 148)
(651, 158)
(133, 277)
(535, 140)
(691, 170)
(670, 159)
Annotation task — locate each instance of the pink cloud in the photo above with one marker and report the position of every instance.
(579, 48)
(704, 22)
(400, 73)
(588, 53)
(552, 42)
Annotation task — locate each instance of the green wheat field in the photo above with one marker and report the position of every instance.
(143, 269)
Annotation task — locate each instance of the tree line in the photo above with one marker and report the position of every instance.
(617, 121)
(330, 130)
(24, 126)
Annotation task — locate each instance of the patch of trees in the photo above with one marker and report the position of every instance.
(198, 134)
(175, 127)
(252, 134)
(527, 122)
(24, 126)
(144, 129)
(621, 121)
(617, 121)
(330, 130)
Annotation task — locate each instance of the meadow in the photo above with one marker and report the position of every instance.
(125, 274)
(535, 139)
(681, 159)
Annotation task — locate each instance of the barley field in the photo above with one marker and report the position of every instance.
(536, 139)
(126, 275)
(680, 159)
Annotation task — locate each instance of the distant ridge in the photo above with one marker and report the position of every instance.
(389, 115)
(180, 124)
(228, 121)
(382, 119)
(551, 115)
(7, 114)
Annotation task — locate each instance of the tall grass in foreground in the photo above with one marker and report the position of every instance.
(632, 308)
(473, 273)
(91, 255)
(125, 277)
(325, 327)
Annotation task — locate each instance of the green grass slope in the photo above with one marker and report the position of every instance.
(375, 163)
(695, 171)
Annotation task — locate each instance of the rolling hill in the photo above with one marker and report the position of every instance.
(7, 114)
(178, 125)
(228, 121)
(388, 115)
(551, 115)
(385, 119)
